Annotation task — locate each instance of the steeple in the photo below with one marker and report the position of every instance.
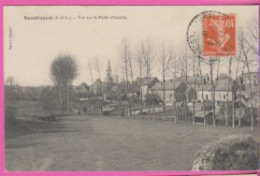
(109, 79)
(108, 68)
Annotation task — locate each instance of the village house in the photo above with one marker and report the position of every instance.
(146, 84)
(244, 81)
(253, 80)
(134, 90)
(82, 91)
(197, 80)
(223, 90)
(96, 87)
(193, 85)
(172, 89)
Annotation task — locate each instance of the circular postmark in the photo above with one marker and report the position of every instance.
(209, 34)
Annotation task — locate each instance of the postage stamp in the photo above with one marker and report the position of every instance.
(219, 35)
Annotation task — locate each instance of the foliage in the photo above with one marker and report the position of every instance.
(49, 99)
(64, 70)
(10, 94)
(228, 153)
(10, 107)
(10, 112)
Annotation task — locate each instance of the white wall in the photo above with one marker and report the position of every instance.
(169, 95)
(219, 95)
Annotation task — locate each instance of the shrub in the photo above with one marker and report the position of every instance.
(49, 99)
(10, 112)
(228, 153)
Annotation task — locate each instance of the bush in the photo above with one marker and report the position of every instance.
(228, 153)
(10, 113)
(49, 99)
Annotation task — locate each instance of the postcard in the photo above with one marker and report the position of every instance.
(131, 88)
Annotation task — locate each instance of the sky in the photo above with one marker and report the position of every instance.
(30, 46)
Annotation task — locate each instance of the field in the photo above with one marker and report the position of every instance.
(108, 143)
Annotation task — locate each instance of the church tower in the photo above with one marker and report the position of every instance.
(109, 79)
(108, 69)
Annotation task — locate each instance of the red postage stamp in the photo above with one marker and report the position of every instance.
(219, 35)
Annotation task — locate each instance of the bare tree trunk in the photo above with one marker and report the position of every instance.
(194, 91)
(245, 48)
(132, 81)
(164, 96)
(251, 97)
(165, 60)
(176, 108)
(140, 67)
(213, 87)
(212, 91)
(141, 96)
(229, 76)
(202, 92)
(90, 71)
(240, 99)
(240, 89)
(100, 91)
(233, 109)
(146, 54)
(240, 113)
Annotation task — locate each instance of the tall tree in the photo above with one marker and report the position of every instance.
(99, 86)
(146, 52)
(213, 84)
(228, 88)
(165, 64)
(201, 84)
(125, 55)
(140, 63)
(176, 106)
(9, 81)
(195, 76)
(252, 34)
(90, 72)
(246, 50)
(184, 73)
(240, 85)
(64, 69)
(131, 63)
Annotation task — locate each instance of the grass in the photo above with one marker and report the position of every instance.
(27, 107)
(94, 143)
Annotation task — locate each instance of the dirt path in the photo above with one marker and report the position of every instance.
(81, 143)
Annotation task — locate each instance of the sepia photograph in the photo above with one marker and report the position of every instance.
(131, 88)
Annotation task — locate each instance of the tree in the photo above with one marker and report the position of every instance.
(48, 99)
(240, 85)
(227, 102)
(131, 70)
(64, 69)
(195, 74)
(125, 56)
(10, 97)
(10, 90)
(184, 72)
(176, 107)
(146, 52)
(140, 63)
(202, 89)
(253, 34)
(117, 91)
(90, 72)
(99, 87)
(165, 64)
(213, 84)
(246, 51)
(10, 81)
